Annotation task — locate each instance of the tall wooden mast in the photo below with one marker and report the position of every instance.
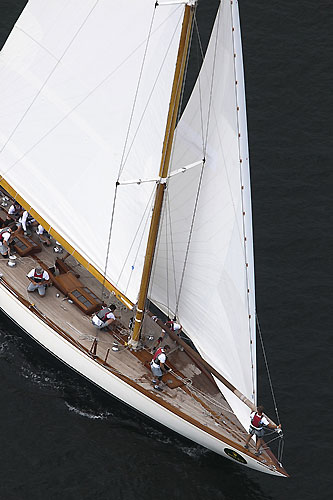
(164, 168)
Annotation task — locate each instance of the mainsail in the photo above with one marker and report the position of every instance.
(204, 268)
(85, 107)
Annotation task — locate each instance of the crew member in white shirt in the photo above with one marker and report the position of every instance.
(158, 366)
(105, 317)
(14, 212)
(24, 221)
(5, 235)
(43, 236)
(257, 427)
(39, 279)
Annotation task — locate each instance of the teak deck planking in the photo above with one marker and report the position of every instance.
(132, 366)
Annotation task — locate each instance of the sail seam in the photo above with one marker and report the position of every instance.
(49, 76)
(37, 43)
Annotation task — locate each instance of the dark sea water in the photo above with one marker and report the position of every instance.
(62, 438)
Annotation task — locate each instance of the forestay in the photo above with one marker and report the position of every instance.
(216, 300)
(77, 114)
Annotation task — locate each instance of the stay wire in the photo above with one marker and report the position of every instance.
(267, 369)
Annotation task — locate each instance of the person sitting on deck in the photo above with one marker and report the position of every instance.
(39, 279)
(258, 422)
(5, 235)
(158, 366)
(43, 236)
(105, 317)
(14, 212)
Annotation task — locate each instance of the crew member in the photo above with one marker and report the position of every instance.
(24, 221)
(14, 212)
(43, 236)
(39, 279)
(173, 325)
(105, 317)
(5, 235)
(257, 427)
(158, 366)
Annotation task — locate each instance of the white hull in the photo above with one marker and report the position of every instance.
(96, 373)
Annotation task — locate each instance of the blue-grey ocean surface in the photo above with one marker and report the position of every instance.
(62, 438)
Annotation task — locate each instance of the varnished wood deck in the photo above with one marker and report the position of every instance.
(187, 391)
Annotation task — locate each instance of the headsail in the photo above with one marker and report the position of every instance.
(214, 293)
(77, 120)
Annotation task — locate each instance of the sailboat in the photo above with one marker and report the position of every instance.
(147, 207)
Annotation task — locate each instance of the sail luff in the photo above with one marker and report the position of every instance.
(164, 167)
(246, 186)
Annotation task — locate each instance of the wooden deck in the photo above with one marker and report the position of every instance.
(187, 391)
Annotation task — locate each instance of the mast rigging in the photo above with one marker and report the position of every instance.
(164, 167)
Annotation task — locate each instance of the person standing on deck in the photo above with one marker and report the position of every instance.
(257, 425)
(24, 221)
(158, 367)
(38, 280)
(5, 235)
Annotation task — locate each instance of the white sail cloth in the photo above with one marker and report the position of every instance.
(216, 300)
(69, 76)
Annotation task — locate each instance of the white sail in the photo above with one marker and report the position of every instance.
(216, 303)
(73, 114)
